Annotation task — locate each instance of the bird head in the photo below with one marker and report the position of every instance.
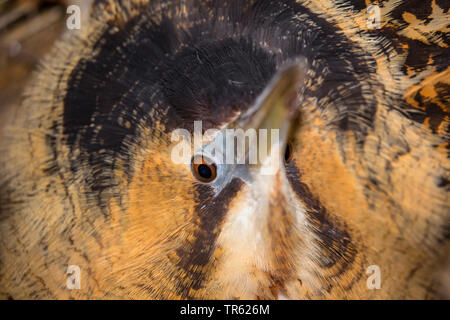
(329, 179)
(217, 216)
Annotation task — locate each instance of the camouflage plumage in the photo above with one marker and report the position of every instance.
(86, 177)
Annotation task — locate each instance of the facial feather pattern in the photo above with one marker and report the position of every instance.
(87, 177)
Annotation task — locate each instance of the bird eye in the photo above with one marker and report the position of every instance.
(203, 170)
(288, 152)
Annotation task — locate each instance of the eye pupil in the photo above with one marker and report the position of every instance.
(204, 171)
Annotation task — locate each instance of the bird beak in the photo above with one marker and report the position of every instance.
(274, 110)
(270, 119)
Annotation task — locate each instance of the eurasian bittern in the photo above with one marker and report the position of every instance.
(361, 101)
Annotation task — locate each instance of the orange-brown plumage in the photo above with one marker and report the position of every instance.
(87, 177)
